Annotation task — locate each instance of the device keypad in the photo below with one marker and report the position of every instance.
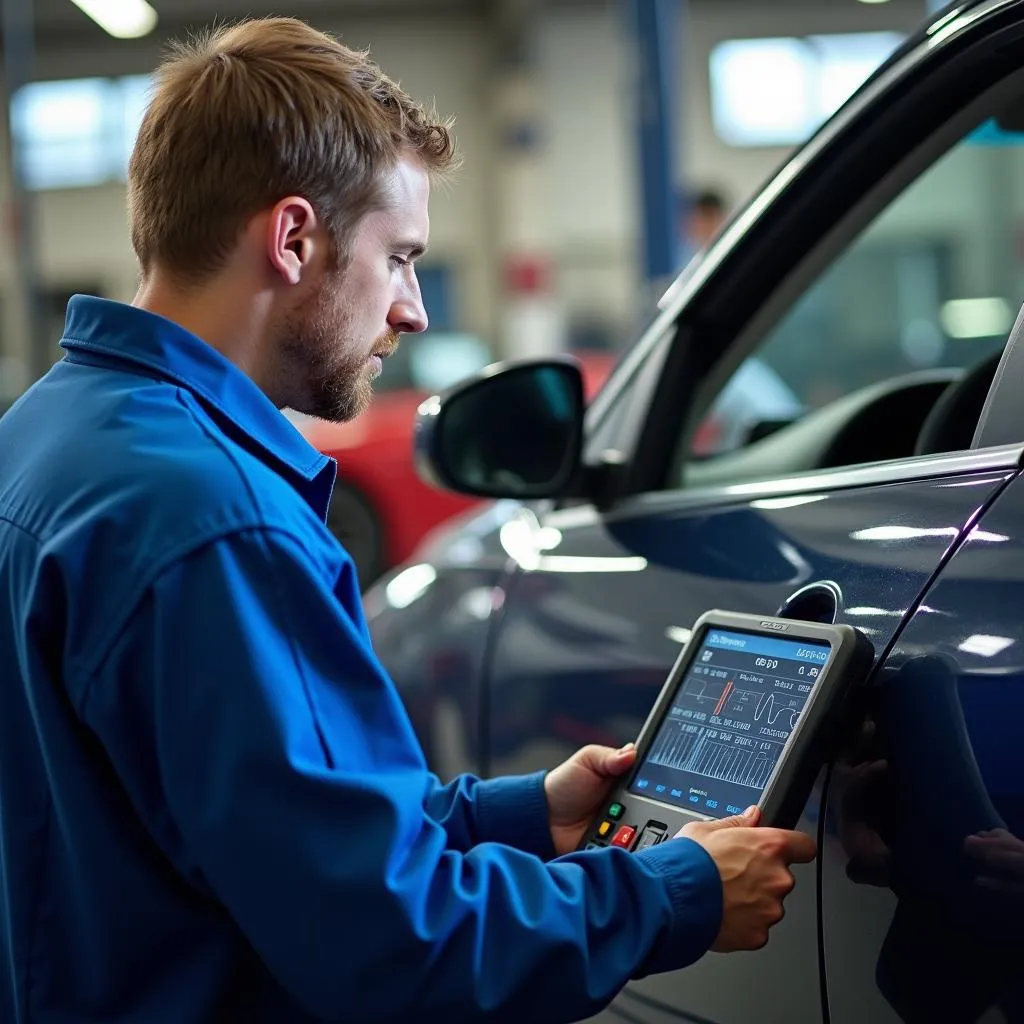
(613, 831)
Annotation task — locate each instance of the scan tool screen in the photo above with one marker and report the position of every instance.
(729, 721)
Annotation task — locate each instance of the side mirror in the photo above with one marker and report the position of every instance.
(512, 431)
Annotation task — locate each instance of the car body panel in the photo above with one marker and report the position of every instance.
(919, 939)
(578, 656)
(589, 635)
(431, 621)
(605, 601)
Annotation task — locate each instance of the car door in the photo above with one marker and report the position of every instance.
(923, 855)
(882, 309)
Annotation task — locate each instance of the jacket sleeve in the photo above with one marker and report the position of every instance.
(512, 810)
(266, 751)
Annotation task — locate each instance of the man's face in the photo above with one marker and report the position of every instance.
(336, 342)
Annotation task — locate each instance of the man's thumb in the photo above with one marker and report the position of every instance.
(610, 761)
(750, 817)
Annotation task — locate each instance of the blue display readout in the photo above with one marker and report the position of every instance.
(769, 646)
(729, 721)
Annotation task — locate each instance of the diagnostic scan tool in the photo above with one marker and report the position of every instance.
(748, 715)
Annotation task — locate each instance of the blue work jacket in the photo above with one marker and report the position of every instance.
(213, 807)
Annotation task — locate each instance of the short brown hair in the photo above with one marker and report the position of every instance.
(250, 113)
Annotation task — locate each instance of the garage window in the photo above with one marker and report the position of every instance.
(77, 133)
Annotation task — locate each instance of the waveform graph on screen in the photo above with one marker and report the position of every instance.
(707, 694)
(778, 711)
(707, 752)
(742, 701)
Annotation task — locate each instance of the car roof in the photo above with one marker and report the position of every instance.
(931, 23)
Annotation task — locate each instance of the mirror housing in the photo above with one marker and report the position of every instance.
(514, 430)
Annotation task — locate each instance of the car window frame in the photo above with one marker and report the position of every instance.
(1000, 422)
(981, 47)
(833, 244)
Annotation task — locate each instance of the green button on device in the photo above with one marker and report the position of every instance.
(615, 811)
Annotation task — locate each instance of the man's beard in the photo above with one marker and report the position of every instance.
(335, 377)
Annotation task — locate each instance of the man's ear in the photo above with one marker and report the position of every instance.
(292, 238)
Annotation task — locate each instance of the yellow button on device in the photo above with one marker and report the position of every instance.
(604, 828)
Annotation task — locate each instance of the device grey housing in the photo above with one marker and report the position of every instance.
(811, 742)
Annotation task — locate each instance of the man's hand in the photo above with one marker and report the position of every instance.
(754, 866)
(577, 789)
(1000, 858)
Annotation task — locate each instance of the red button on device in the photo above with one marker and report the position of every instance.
(624, 837)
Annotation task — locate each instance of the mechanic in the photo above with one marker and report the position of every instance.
(212, 804)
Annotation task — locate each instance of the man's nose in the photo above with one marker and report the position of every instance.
(407, 315)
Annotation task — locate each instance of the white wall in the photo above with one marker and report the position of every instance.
(591, 198)
(448, 61)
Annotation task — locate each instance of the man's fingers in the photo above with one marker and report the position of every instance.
(749, 818)
(795, 847)
(996, 857)
(608, 760)
(626, 755)
(993, 836)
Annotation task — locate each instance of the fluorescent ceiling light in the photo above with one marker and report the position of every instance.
(874, 1)
(123, 19)
(976, 318)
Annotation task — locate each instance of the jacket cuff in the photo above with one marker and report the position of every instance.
(695, 892)
(513, 810)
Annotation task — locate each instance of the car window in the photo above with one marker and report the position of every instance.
(924, 295)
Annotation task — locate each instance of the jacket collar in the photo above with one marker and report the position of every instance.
(116, 334)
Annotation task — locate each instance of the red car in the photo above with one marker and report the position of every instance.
(381, 509)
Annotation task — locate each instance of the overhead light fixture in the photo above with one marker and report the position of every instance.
(123, 19)
(874, 1)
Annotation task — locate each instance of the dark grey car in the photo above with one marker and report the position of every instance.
(878, 275)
